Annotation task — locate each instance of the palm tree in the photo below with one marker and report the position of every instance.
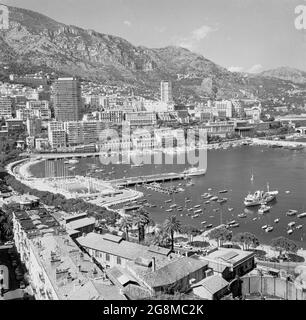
(159, 237)
(125, 224)
(141, 219)
(172, 225)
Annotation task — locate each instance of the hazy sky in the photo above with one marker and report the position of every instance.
(243, 35)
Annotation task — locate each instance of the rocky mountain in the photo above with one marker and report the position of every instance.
(287, 73)
(35, 42)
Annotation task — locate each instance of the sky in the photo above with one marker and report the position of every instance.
(241, 35)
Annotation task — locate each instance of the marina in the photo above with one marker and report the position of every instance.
(220, 176)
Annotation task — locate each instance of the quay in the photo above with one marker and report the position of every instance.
(60, 156)
(161, 177)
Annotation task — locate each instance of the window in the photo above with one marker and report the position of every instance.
(107, 257)
(118, 260)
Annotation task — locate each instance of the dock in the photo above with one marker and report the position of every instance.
(161, 177)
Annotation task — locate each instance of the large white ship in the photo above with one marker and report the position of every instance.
(259, 198)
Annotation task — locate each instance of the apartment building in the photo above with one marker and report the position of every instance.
(6, 107)
(142, 118)
(40, 109)
(57, 268)
(67, 99)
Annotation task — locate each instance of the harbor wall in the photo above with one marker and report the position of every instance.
(272, 286)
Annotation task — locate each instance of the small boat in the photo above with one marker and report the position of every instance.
(254, 219)
(291, 224)
(291, 212)
(231, 222)
(264, 227)
(276, 220)
(290, 231)
(264, 208)
(207, 202)
(198, 211)
(235, 225)
(214, 198)
(179, 209)
(195, 216)
(222, 200)
(287, 191)
(169, 210)
(190, 209)
(242, 215)
(269, 229)
(167, 201)
(197, 206)
(203, 222)
(187, 200)
(209, 189)
(300, 226)
(223, 191)
(173, 206)
(209, 226)
(302, 215)
(230, 209)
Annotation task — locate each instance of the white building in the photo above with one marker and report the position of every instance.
(6, 107)
(166, 92)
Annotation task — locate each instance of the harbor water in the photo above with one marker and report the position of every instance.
(284, 170)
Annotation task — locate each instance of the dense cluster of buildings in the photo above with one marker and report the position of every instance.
(63, 113)
(67, 259)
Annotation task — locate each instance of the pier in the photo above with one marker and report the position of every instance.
(161, 177)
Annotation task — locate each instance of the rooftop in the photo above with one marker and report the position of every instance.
(230, 257)
(213, 284)
(170, 272)
(80, 223)
(22, 199)
(72, 273)
(117, 246)
(36, 222)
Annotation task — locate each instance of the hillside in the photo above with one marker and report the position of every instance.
(286, 73)
(35, 42)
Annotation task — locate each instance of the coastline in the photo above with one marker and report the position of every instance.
(265, 247)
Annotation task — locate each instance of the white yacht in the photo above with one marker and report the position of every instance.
(260, 197)
(291, 212)
(264, 208)
(269, 229)
(302, 215)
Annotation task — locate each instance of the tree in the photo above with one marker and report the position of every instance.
(125, 224)
(191, 231)
(220, 235)
(158, 237)
(141, 219)
(283, 244)
(170, 226)
(246, 239)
